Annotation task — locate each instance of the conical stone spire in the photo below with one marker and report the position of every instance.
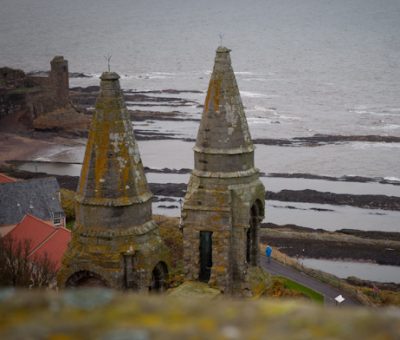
(224, 202)
(112, 173)
(223, 132)
(115, 241)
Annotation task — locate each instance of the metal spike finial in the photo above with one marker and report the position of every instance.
(221, 38)
(108, 58)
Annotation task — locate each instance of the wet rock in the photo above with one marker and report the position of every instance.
(320, 140)
(358, 179)
(313, 196)
(304, 242)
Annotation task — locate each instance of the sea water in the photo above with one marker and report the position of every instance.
(329, 67)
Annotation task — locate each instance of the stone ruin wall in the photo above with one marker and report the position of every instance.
(27, 97)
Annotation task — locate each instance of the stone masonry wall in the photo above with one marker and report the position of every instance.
(31, 96)
(105, 314)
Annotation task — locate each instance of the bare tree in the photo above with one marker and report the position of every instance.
(18, 269)
(43, 271)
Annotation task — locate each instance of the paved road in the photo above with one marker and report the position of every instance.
(329, 292)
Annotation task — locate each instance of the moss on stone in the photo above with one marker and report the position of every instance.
(194, 290)
(173, 240)
(259, 281)
(105, 314)
(68, 203)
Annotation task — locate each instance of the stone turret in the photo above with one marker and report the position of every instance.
(115, 241)
(59, 80)
(224, 203)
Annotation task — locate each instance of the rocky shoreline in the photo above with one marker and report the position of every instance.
(319, 140)
(382, 202)
(40, 135)
(361, 201)
(378, 247)
(357, 179)
(86, 98)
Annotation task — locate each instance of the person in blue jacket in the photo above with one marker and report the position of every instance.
(268, 253)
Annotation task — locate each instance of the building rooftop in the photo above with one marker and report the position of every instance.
(38, 197)
(6, 179)
(43, 237)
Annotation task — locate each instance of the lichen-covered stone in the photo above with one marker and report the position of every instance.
(194, 290)
(224, 195)
(104, 314)
(115, 241)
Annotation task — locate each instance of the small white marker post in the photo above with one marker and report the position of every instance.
(339, 299)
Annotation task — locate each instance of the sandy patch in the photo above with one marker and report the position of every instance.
(16, 147)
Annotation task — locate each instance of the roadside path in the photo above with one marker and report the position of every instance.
(329, 292)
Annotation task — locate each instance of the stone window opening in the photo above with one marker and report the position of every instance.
(251, 235)
(159, 277)
(205, 252)
(85, 278)
(129, 271)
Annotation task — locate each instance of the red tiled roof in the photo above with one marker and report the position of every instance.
(6, 179)
(55, 246)
(33, 229)
(44, 238)
(5, 229)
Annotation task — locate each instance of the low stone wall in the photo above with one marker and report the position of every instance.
(106, 314)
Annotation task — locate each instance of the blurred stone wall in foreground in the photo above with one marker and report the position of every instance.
(106, 314)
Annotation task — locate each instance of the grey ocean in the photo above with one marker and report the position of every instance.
(314, 66)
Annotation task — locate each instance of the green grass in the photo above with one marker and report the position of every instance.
(308, 292)
(70, 224)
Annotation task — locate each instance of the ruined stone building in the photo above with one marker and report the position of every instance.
(115, 242)
(39, 101)
(35, 94)
(224, 203)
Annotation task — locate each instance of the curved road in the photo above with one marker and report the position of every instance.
(329, 292)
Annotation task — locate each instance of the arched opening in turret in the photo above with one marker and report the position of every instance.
(85, 278)
(159, 278)
(206, 256)
(256, 215)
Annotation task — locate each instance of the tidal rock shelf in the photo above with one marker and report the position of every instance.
(382, 202)
(301, 242)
